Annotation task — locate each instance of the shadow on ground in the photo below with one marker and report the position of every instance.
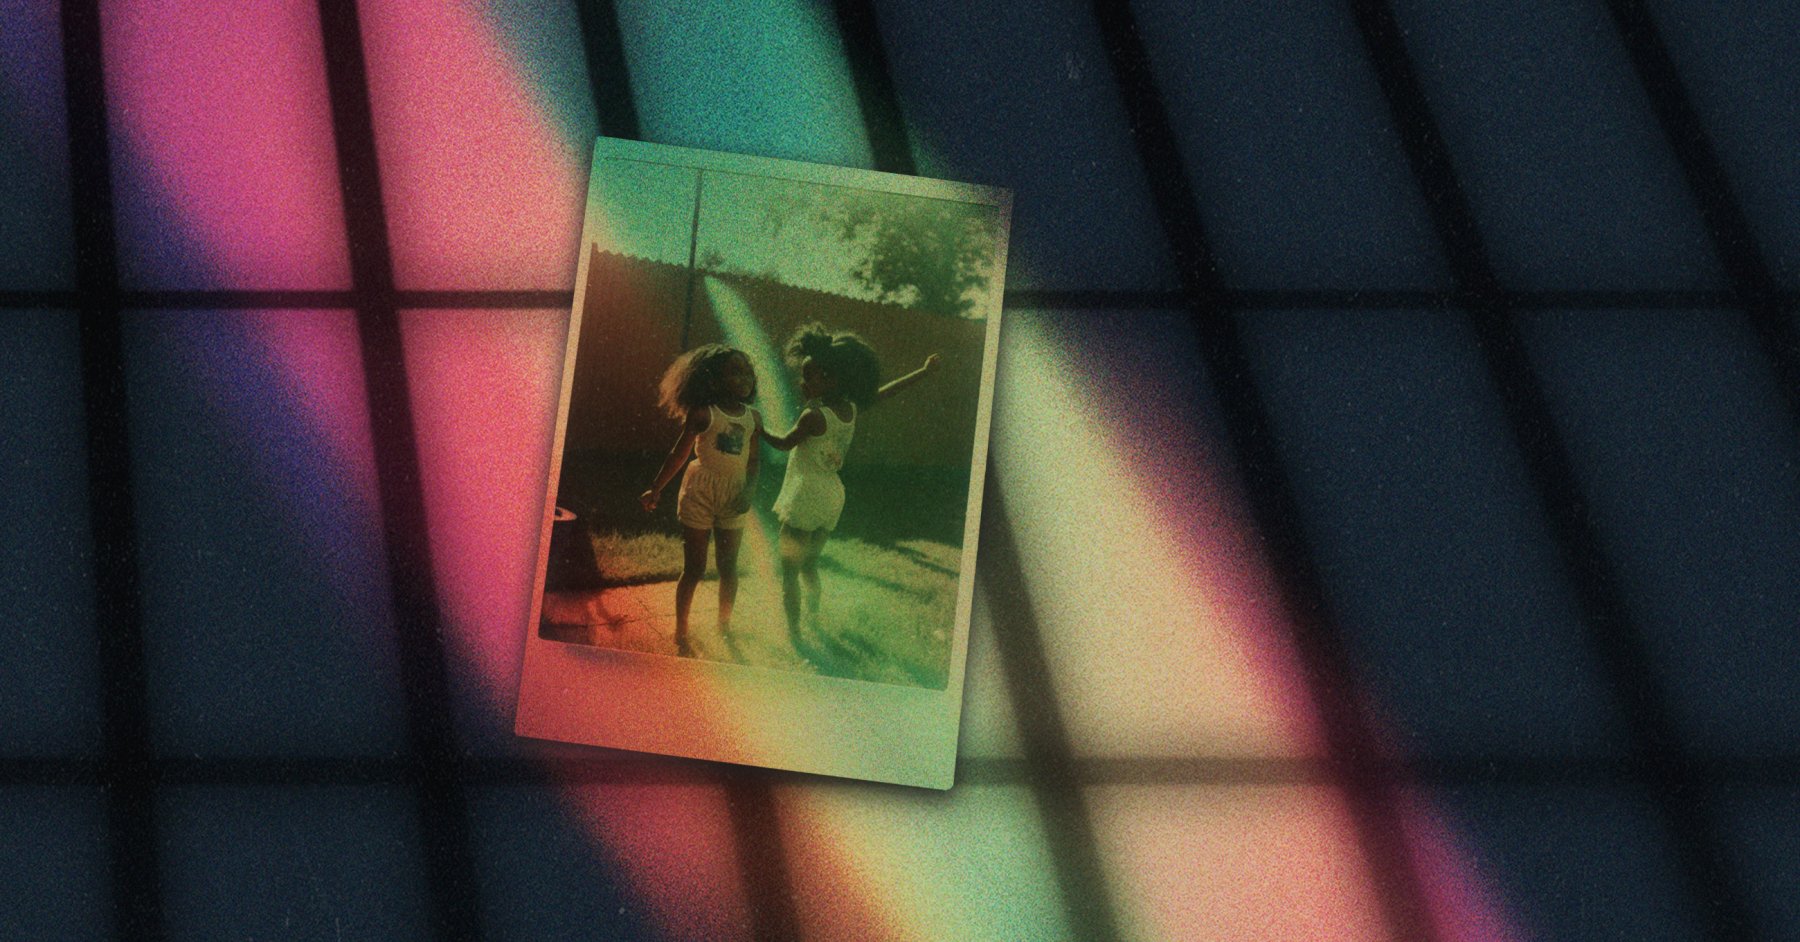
(886, 615)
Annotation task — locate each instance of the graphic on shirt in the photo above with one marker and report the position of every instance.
(731, 441)
(831, 459)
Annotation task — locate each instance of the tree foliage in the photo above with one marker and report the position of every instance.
(933, 255)
(929, 254)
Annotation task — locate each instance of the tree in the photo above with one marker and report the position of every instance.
(924, 253)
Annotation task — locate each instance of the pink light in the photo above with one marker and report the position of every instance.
(678, 839)
(1238, 862)
(484, 390)
(317, 355)
(1281, 862)
(226, 105)
(482, 188)
(1465, 904)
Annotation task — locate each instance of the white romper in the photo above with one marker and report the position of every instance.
(812, 495)
(715, 478)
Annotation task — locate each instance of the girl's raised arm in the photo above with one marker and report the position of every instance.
(811, 423)
(697, 421)
(907, 380)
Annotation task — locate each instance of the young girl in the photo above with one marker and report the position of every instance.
(709, 389)
(839, 374)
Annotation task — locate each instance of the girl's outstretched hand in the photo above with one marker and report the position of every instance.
(648, 499)
(931, 363)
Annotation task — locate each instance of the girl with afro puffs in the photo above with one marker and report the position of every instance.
(839, 377)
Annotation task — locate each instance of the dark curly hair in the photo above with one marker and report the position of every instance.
(694, 380)
(843, 356)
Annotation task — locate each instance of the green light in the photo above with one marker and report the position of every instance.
(766, 78)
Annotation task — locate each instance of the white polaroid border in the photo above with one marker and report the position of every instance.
(752, 715)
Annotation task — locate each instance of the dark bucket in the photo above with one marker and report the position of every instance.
(572, 566)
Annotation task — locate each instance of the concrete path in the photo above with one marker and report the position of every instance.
(634, 618)
(642, 618)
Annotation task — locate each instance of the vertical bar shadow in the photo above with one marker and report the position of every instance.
(755, 816)
(127, 768)
(443, 808)
(1360, 767)
(1753, 287)
(1068, 824)
(860, 32)
(1055, 784)
(1683, 799)
(609, 81)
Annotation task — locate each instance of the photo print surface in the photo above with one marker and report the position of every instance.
(762, 518)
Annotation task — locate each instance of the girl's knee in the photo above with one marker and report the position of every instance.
(792, 558)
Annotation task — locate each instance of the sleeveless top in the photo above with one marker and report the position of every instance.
(724, 447)
(823, 454)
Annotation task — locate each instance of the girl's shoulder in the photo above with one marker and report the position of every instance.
(812, 417)
(699, 418)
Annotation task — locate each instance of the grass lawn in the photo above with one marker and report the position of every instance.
(886, 614)
(630, 559)
(885, 504)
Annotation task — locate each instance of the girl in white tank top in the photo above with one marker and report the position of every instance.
(709, 389)
(812, 495)
(839, 378)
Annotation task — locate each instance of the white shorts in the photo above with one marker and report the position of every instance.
(705, 499)
(810, 501)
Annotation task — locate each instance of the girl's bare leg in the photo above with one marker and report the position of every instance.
(809, 569)
(793, 552)
(727, 554)
(693, 569)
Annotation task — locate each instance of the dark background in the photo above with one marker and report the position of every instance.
(1492, 317)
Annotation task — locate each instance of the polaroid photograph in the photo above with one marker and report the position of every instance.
(759, 533)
